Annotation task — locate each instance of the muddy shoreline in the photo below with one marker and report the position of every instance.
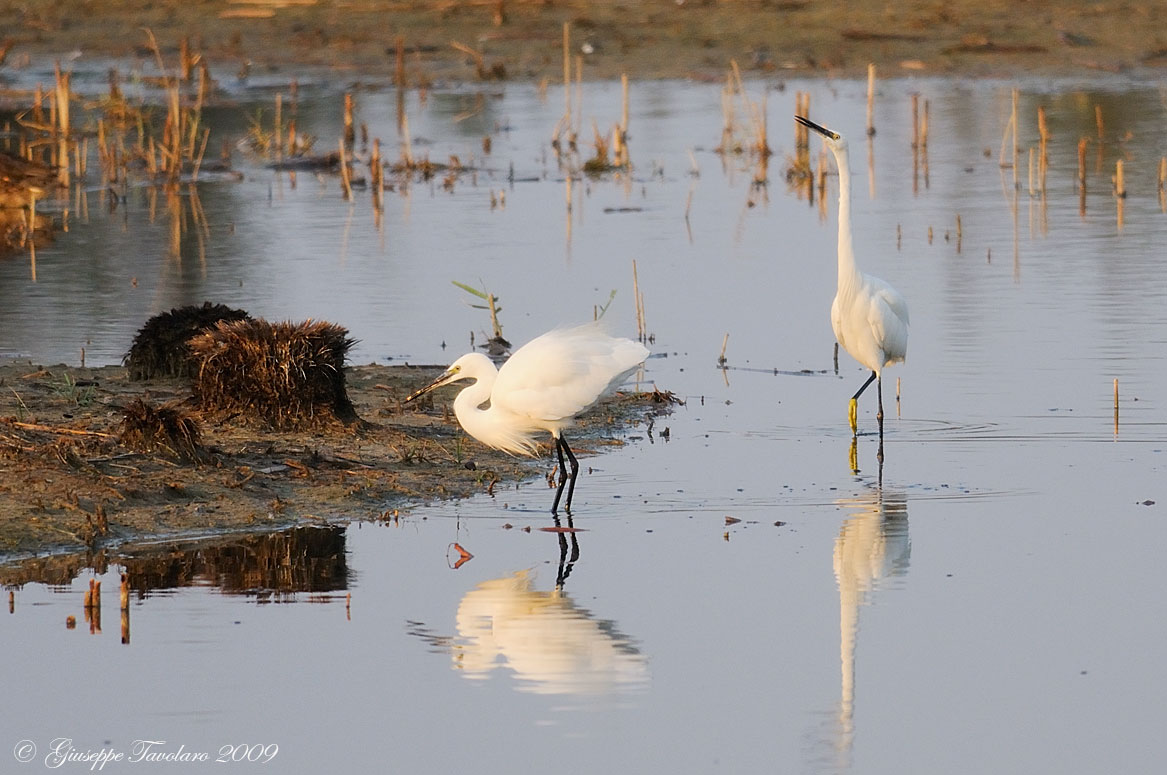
(68, 484)
(508, 40)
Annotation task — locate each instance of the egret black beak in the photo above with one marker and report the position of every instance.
(822, 130)
(446, 377)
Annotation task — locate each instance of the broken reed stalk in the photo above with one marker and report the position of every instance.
(1031, 154)
(728, 121)
(822, 178)
(157, 51)
(924, 121)
(492, 305)
(1043, 157)
(31, 225)
(1013, 122)
(344, 172)
(198, 161)
(802, 137)
(959, 233)
(125, 593)
(399, 69)
(407, 150)
(567, 75)
(185, 61)
(871, 99)
(1082, 143)
(1162, 179)
(62, 127)
(757, 115)
(38, 105)
(1098, 121)
(278, 131)
(479, 59)
(724, 343)
(350, 135)
(1010, 127)
(1119, 192)
(624, 105)
(578, 93)
(376, 173)
(1116, 406)
(636, 294)
(204, 89)
(915, 120)
(172, 134)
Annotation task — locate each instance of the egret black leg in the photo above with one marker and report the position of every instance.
(562, 475)
(574, 472)
(859, 392)
(879, 414)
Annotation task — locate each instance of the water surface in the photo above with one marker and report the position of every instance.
(983, 603)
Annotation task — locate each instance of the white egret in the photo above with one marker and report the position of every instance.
(870, 318)
(543, 386)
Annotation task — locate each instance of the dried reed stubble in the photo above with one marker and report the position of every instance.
(168, 429)
(160, 346)
(287, 375)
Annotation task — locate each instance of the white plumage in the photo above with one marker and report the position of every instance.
(869, 317)
(542, 387)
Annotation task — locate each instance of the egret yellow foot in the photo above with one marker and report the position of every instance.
(854, 460)
(852, 414)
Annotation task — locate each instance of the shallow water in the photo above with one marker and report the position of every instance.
(986, 602)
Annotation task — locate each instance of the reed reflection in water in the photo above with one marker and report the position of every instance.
(302, 559)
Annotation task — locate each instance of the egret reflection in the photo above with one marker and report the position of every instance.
(873, 546)
(552, 645)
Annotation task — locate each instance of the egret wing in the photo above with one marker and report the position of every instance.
(563, 372)
(888, 316)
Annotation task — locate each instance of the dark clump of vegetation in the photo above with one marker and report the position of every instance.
(287, 375)
(167, 429)
(160, 346)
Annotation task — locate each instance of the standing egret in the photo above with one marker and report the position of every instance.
(870, 318)
(543, 386)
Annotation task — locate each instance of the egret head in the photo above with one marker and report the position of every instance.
(469, 366)
(834, 140)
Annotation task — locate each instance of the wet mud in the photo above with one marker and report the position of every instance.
(68, 482)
